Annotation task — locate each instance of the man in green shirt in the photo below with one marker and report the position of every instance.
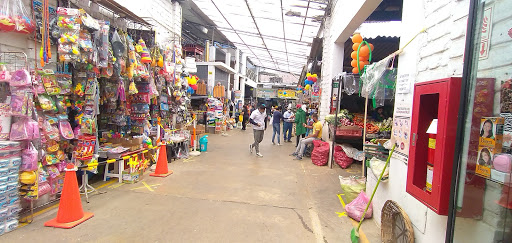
(300, 119)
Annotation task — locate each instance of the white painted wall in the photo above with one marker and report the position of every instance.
(346, 17)
(438, 53)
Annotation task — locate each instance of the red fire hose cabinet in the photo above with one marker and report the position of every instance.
(432, 144)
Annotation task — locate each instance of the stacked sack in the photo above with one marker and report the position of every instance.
(341, 158)
(320, 154)
(10, 161)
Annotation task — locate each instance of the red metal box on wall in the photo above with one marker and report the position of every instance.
(438, 99)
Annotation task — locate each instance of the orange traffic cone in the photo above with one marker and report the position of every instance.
(161, 165)
(70, 212)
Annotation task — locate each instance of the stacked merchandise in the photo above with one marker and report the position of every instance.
(214, 115)
(9, 172)
(53, 114)
(351, 125)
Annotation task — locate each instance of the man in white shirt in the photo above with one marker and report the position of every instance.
(289, 119)
(257, 119)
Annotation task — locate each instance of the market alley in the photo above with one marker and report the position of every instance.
(224, 195)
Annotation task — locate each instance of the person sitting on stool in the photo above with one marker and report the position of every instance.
(315, 135)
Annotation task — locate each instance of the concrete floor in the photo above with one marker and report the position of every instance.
(224, 195)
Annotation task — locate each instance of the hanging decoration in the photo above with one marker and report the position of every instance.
(361, 54)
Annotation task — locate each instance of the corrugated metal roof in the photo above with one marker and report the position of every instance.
(372, 30)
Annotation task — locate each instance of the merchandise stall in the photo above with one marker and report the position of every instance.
(107, 104)
(356, 124)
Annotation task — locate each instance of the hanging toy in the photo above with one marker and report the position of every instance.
(132, 88)
(307, 87)
(145, 57)
(160, 61)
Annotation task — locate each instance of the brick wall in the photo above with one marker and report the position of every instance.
(438, 53)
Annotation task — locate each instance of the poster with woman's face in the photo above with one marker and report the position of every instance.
(485, 157)
(487, 129)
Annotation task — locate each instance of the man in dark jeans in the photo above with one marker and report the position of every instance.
(276, 124)
(289, 119)
(245, 115)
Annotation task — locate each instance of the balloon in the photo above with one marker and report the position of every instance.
(191, 80)
(371, 46)
(308, 74)
(364, 51)
(355, 70)
(357, 38)
(353, 55)
(307, 87)
(353, 63)
(305, 80)
(284, 93)
(314, 75)
(309, 78)
(315, 79)
(193, 86)
(355, 46)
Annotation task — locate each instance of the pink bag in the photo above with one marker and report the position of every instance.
(341, 158)
(503, 163)
(320, 154)
(21, 78)
(355, 209)
(29, 158)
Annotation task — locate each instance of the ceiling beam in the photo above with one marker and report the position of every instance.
(302, 32)
(232, 27)
(258, 28)
(253, 46)
(284, 35)
(296, 42)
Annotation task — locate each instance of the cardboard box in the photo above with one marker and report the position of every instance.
(491, 133)
(131, 178)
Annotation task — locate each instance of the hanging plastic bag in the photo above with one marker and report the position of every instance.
(69, 25)
(7, 23)
(47, 102)
(103, 44)
(117, 45)
(20, 78)
(355, 209)
(14, 18)
(29, 158)
(19, 131)
(19, 103)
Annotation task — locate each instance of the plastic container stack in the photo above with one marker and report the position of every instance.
(10, 161)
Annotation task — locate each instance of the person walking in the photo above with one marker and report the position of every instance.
(276, 125)
(257, 118)
(289, 119)
(315, 135)
(245, 116)
(300, 119)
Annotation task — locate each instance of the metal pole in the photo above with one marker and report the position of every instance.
(339, 79)
(364, 134)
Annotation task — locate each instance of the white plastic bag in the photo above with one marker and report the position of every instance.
(377, 165)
